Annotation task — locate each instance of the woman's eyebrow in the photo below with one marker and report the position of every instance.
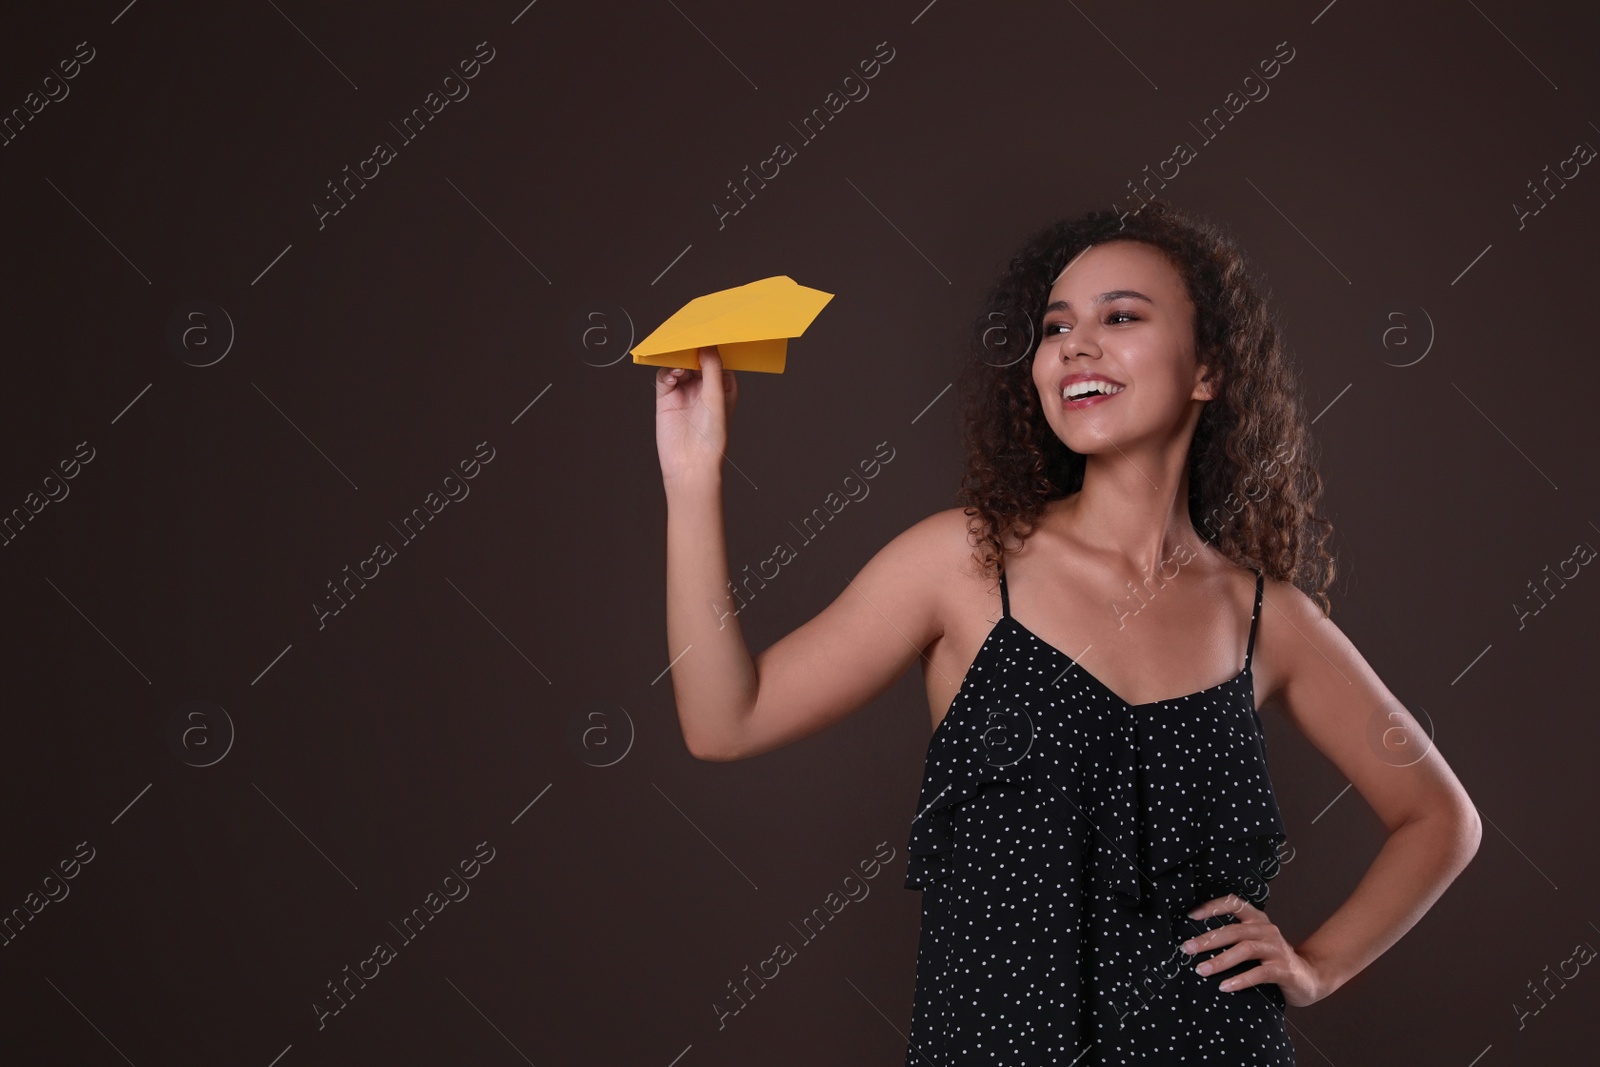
(1065, 305)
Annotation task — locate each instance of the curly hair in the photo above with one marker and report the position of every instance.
(1253, 485)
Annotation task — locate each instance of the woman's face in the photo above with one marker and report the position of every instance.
(1118, 317)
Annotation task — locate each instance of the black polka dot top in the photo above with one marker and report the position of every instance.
(1060, 837)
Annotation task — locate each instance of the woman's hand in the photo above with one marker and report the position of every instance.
(693, 408)
(1254, 937)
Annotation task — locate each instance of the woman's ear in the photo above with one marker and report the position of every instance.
(1208, 383)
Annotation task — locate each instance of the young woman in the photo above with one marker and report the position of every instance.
(1097, 823)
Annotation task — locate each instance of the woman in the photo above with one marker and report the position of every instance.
(1093, 852)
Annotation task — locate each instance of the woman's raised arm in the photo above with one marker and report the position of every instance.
(731, 706)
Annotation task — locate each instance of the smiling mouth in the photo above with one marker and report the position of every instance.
(1085, 394)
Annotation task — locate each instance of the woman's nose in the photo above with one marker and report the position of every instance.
(1079, 342)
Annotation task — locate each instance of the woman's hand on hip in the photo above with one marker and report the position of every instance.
(1254, 937)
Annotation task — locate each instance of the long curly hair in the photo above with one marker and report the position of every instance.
(1253, 483)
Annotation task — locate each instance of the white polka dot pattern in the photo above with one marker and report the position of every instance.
(1061, 836)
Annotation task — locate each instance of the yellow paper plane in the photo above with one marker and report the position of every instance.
(750, 325)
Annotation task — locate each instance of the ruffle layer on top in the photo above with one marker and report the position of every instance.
(1176, 823)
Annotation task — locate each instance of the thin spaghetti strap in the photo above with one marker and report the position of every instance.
(1255, 617)
(1005, 596)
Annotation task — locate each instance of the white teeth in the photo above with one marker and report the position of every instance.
(1078, 389)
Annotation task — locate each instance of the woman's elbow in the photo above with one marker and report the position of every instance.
(1471, 828)
(703, 750)
(1465, 827)
(709, 750)
(1453, 821)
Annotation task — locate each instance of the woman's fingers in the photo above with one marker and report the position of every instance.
(1258, 947)
(669, 378)
(711, 373)
(719, 388)
(1222, 935)
(1254, 937)
(1217, 905)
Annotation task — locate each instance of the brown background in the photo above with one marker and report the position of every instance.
(577, 180)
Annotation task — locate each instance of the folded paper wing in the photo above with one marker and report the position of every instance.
(750, 325)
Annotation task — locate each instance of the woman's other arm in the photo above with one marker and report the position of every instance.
(1328, 690)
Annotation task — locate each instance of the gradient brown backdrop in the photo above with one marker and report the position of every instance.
(499, 686)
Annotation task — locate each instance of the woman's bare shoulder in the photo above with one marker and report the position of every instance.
(944, 543)
(942, 553)
(1292, 631)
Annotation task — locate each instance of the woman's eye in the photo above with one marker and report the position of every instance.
(1112, 317)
